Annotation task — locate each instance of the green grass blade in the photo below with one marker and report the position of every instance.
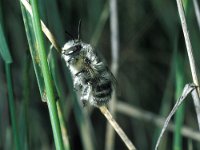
(55, 26)
(179, 116)
(180, 78)
(47, 78)
(53, 65)
(94, 11)
(25, 104)
(5, 53)
(34, 51)
(12, 107)
(166, 102)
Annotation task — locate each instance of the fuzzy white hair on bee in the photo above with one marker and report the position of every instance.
(91, 77)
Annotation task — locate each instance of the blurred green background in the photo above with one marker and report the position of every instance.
(153, 69)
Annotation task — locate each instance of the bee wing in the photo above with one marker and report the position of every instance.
(100, 67)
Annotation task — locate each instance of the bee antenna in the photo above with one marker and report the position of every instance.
(70, 35)
(79, 29)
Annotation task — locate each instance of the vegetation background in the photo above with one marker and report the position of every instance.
(152, 70)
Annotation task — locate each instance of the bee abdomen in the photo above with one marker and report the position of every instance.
(103, 86)
(102, 101)
(102, 93)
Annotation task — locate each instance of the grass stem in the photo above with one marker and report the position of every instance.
(12, 107)
(117, 128)
(46, 31)
(6, 56)
(110, 135)
(197, 12)
(179, 116)
(158, 121)
(47, 78)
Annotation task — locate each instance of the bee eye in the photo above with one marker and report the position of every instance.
(74, 50)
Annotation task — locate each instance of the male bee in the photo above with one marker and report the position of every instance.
(91, 77)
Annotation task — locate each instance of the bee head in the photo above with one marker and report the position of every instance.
(72, 47)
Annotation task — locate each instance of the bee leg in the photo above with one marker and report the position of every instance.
(77, 83)
(85, 94)
(84, 103)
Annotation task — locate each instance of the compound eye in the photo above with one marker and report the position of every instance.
(71, 51)
(74, 50)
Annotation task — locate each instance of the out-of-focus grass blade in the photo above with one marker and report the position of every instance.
(24, 111)
(1, 106)
(166, 101)
(12, 107)
(165, 10)
(94, 11)
(100, 24)
(179, 116)
(54, 20)
(197, 11)
(5, 53)
(4, 114)
(8, 139)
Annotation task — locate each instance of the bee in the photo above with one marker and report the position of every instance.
(91, 76)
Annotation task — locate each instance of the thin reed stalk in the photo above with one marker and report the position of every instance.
(158, 121)
(117, 128)
(109, 140)
(197, 12)
(63, 128)
(189, 52)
